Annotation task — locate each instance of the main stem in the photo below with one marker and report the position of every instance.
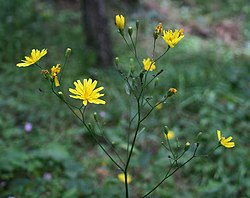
(133, 144)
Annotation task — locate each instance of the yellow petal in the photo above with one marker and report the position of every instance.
(219, 135)
(228, 139)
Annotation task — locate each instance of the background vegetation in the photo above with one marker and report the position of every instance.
(57, 158)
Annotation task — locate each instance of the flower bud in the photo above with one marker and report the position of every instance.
(198, 136)
(171, 92)
(130, 31)
(89, 126)
(166, 130)
(60, 95)
(131, 65)
(141, 76)
(187, 146)
(156, 82)
(137, 24)
(45, 73)
(117, 61)
(120, 23)
(95, 116)
(68, 52)
(155, 35)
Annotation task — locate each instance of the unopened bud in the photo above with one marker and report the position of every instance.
(60, 95)
(44, 71)
(156, 82)
(137, 24)
(95, 116)
(132, 65)
(68, 52)
(187, 146)
(90, 126)
(166, 130)
(171, 92)
(199, 136)
(141, 77)
(130, 31)
(117, 61)
(155, 35)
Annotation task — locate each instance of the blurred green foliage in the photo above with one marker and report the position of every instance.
(57, 158)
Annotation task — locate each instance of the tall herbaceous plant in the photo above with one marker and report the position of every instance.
(139, 80)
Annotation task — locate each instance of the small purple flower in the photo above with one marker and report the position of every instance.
(102, 114)
(47, 176)
(28, 127)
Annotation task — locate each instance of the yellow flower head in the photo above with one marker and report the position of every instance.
(120, 22)
(55, 70)
(225, 141)
(121, 177)
(170, 135)
(34, 57)
(148, 64)
(172, 38)
(87, 92)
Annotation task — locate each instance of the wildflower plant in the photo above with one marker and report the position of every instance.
(138, 82)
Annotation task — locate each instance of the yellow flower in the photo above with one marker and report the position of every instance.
(225, 141)
(87, 92)
(54, 72)
(121, 177)
(119, 22)
(172, 38)
(170, 135)
(35, 56)
(148, 64)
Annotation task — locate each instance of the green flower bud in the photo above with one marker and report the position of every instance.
(68, 52)
(166, 130)
(130, 31)
(95, 116)
(60, 95)
(155, 35)
(198, 136)
(137, 24)
(117, 61)
(187, 146)
(156, 82)
(131, 65)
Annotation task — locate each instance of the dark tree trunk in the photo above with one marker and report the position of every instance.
(96, 29)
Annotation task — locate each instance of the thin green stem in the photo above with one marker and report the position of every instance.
(38, 65)
(133, 52)
(155, 76)
(169, 175)
(170, 148)
(63, 67)
(153, 108)
(153, 54)
(162, 55)
(100, 145)
(132, 146)
(108, 141)
(134, 46)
